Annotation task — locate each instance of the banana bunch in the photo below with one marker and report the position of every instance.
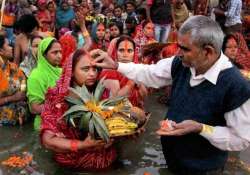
(119, 126)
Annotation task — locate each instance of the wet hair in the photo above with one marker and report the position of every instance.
(118, 24)
(118, 7)
(144, 23)
(142, 11)
(35, 37)
(131, 3)
(49, 46)
(27, 23)
(226, 38)
(2, 41)
(124, 38)
(203, 31)
(94, 30)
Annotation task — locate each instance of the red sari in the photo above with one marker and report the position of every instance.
(52, 121)
(243, 55)
(134, 96)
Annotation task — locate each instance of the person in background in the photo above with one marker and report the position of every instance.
(233, 21)
(13, 108)
(28, 26)
(181, 12)
(209, 110)
(233, 48)
(52, 12)
(130, 10)
(116, 29)
(119, 85)
(64, 15)
(43, 16)
(130, 26)
(69, 45)
(145, 35)
(43, 76)
(24, 9)
(98, 36)
(9, 17)
(118, 14)
(80, 32)
(30, 59)
(160, 12)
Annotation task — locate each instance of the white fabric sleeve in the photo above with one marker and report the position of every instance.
(154, 75)
(236, 135)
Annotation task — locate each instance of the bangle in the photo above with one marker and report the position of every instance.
(207, 129)
(85, 34)
(74, 145)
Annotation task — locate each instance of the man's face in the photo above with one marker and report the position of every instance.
(190, 54)
(7, 51)
(130, 8)
(118, 12)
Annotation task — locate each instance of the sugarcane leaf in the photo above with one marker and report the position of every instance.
(101, 127)
(72, 100)
(99, 90)
(84, 122)
(75, 108)
(91, 128)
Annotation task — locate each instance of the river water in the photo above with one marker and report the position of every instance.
(136, 156)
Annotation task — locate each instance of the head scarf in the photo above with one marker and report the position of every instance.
(68, 43)
(42, 77)
(63, 17)
(54, 108)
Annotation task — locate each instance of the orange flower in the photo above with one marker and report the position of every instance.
(4, 83)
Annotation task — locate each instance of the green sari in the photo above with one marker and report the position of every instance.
(41, 78)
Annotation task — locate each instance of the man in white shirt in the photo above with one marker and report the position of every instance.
(210, 100)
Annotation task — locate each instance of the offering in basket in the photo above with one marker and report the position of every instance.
(106, 118)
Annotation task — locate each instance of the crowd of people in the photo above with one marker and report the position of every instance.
(194, 49)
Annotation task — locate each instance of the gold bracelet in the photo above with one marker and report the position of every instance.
(207, 129)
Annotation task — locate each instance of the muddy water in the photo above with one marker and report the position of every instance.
(136, 157)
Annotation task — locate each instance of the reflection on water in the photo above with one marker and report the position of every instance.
(135, 156)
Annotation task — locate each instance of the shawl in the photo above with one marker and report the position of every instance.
(69, 45)
(141, 39)
(42, 77)
(54, 108)
(243, 55)
(64, 17)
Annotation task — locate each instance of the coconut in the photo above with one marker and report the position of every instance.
(139, 115)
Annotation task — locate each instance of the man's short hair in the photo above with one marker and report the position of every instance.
(203, 31)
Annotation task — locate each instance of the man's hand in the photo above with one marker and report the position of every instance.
(182, 128)
(103, 60)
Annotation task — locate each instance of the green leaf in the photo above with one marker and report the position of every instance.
(71, 120)
(92, 128)
(81, 92)
(99, 90)
(84, 122)
(101, 127)
(114, 101)
(75, 108)
(73, 100)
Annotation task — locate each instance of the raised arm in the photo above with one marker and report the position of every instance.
(155, 75)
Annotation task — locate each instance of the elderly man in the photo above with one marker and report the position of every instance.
(210, 100)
